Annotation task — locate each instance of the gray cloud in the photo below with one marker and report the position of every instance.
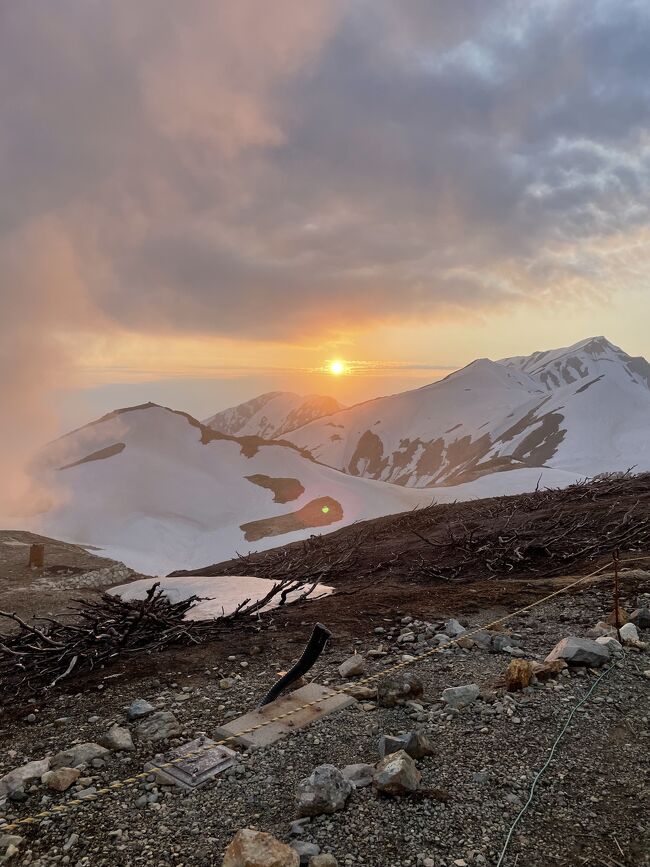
(259, 169)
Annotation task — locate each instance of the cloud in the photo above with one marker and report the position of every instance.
(270, 170)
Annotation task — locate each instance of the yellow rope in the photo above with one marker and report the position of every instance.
(129, 781)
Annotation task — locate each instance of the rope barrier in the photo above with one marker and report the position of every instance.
(116, 785)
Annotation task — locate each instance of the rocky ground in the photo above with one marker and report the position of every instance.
(590, 808)
(68, 571)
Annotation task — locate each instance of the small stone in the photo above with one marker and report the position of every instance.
(544, 671)
(579, 651)
(305, 850)
(81, 754)
(159, 726)
(226, 683)
(61, 779)
(416, 744)
(139, 709)
(16, 779)
(629, 633)
(118, 739)
(465, 642)
(454, 629)
(250, 848)
(323, 860)
(397, 774)
(622, 617)
(396, 690)
(641, 618)
(353, 666)
(359, 775)
(361, 692)
(610, 643)
(461, 696)
(299, 826)
(325, 790)
(406, 638)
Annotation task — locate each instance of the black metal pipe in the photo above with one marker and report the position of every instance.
(315, 646)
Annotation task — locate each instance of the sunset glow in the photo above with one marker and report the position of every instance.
(337, 368)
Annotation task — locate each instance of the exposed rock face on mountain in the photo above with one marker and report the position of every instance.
(273, 414)
(582, 410)
(179, 494)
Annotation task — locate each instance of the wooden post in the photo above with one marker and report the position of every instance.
(617, 611)
(36, 556)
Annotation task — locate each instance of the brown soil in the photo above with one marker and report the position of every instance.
(41, 592)
(318, 513)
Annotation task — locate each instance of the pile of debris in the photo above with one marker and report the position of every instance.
(36, 657)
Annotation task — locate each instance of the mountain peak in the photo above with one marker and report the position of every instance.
(272, 414)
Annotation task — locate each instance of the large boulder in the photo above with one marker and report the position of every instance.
(461, 696)
(416, 744)
(250, 848)
(325, 790)
(159, 726)
(17, 778)
(396, 690)
(81, 754)
(397, 774)
(579, 651)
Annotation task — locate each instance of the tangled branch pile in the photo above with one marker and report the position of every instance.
(541, 534)
(37, 656)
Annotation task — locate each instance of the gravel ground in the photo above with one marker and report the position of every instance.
(591, 807)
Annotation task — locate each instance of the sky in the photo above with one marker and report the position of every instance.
(203, 201)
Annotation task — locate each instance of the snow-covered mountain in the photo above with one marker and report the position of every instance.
(584, 410)
(273, 414)
(160, 491)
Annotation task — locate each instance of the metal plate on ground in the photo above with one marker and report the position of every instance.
(193, 772)
(299, 719)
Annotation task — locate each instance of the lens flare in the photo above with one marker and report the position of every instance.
(337, 367)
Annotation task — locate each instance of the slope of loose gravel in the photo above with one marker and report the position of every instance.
(591, 807)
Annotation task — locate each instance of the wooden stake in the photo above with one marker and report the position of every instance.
(37, 556)
(617, 613)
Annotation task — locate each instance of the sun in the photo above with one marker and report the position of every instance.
(337, 367)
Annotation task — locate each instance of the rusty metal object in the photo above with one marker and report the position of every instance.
(315, 646)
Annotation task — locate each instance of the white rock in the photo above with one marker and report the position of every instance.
(629, 632)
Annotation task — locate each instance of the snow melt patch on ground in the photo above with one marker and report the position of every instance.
(220, 594)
